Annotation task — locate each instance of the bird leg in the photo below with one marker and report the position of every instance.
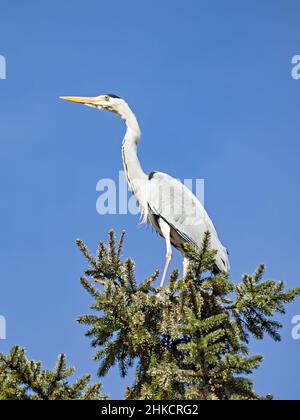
(186, 266)
(168, 260)
(166, 231)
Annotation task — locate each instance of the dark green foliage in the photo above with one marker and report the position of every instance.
(190, 339)
(23, 379)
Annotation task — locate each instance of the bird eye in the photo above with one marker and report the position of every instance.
(107, 98)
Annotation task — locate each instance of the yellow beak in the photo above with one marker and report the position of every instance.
(80, 100)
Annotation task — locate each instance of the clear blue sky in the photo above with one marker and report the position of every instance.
(210, 82)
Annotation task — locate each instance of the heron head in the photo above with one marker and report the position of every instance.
(110, 102)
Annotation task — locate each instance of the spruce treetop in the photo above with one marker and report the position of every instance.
(188, 340)
(24, 379)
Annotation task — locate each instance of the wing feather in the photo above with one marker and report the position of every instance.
(179, 207)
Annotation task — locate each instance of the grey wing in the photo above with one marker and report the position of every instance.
(179, 207)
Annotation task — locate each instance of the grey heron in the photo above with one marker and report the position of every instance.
(166, 204)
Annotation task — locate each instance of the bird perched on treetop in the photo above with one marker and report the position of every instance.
(166, 204)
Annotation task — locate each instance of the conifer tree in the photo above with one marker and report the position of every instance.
(23, 379)
(188, 340)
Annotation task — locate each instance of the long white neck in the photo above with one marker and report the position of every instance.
(136, 177)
